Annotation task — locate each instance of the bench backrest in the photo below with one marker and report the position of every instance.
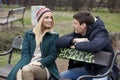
(17, 12)
(17, 43)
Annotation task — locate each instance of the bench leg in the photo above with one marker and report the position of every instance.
(11, 24)
(22, 23)
(6, 26)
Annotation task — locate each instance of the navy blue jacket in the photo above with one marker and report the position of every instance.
(98, 41)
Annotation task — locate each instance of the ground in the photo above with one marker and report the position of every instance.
(62, 64)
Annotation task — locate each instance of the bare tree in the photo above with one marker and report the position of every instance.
(114, 5)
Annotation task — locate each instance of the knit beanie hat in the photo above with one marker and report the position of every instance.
(41, 12)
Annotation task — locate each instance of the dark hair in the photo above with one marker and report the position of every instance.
(84, 17)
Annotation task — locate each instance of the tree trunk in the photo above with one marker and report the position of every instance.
(114, 6)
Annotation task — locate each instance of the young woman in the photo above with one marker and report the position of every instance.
(39, 51)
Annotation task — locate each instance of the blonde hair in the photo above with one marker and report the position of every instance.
(37, 30)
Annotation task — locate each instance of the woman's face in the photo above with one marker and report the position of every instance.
(80, 29)
(47, 20)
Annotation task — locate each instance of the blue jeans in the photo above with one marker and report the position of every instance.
(74, 73)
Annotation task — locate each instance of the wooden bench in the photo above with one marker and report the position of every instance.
(107, 73)
(16, 45)
(13, 16)
(71, 54)
(1, 5)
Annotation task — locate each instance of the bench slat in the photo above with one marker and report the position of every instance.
(13, 16)
(6, 70)
(4, 21)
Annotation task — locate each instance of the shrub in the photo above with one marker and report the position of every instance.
(7, 35)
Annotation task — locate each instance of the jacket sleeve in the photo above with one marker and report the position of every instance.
(52, 53)
(26, 48)
(100, 40)
(65, 41)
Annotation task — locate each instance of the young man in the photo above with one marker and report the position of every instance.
(89, 35)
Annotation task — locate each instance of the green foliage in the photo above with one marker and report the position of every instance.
(111, 20)
(6, 7)
(27, 17)
(63, 21)
(4, 59)
(63, 16)
(7, 35)
(27, 20)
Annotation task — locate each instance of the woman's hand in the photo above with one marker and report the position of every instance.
(35, 63)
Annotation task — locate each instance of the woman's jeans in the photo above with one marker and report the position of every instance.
(74, 73)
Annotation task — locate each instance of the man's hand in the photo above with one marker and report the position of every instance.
(80, 40)
(72, 46)
(76, 40)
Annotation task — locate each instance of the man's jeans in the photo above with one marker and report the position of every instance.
(104, 78)
(74, 73)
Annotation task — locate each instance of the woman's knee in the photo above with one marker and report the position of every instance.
(26, 69)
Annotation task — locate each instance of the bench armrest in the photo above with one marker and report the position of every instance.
(101, 75)
(7, 52)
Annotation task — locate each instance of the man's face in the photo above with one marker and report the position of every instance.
(80, 29)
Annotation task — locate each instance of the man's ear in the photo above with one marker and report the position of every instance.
(84, 24)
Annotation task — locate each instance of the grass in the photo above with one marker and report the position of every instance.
(4, 59)
(111, 20)
(63, 25)
(63, 20)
